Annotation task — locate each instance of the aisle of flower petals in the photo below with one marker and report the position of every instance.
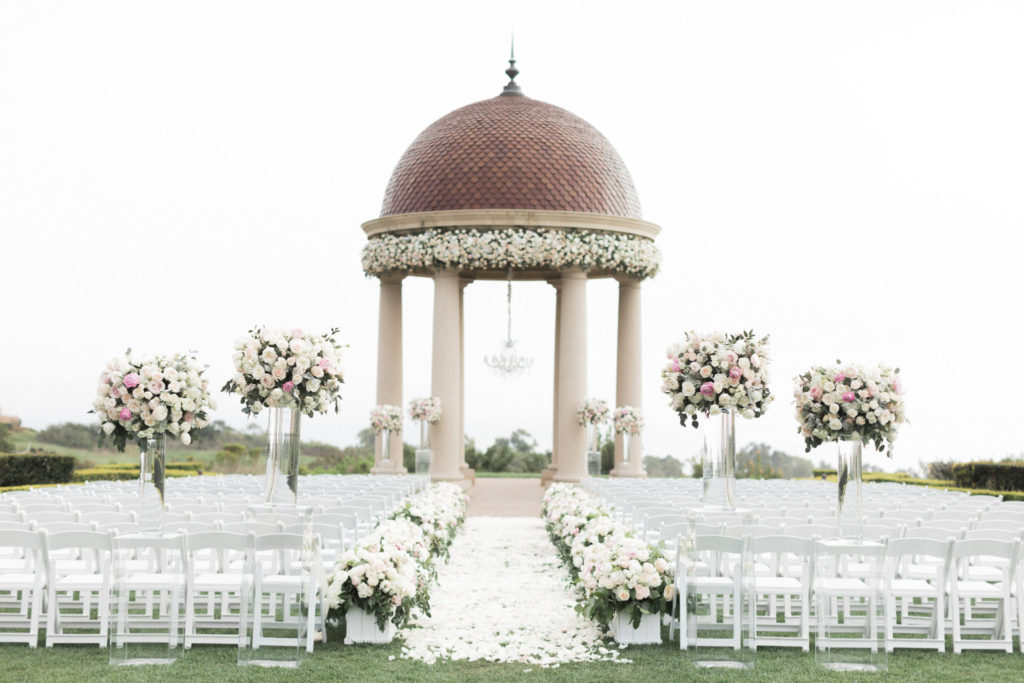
(504, 597)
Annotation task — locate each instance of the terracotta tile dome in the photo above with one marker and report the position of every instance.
(511, 152)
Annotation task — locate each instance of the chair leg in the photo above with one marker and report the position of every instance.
(51, 617)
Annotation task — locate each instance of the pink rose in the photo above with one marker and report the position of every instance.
(325, 363)
(125, 414)
(132, 380)
(735, 372)
(296, 332)
(898, 387)
(848, 397)
(838, 378)
(675, 365)
(815, 393)
(287, 387)
(873, 392)
(189, 417)
(708, 389)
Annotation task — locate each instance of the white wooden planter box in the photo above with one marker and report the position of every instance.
(361, 627)
(648, 633)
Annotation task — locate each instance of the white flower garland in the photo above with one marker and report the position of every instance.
(511, 249)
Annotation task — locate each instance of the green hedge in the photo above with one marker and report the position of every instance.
(97, 474)
(990, 475)
(819, 472)
(194, 467)
(36, 468)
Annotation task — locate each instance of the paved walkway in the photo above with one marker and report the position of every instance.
(500, 497)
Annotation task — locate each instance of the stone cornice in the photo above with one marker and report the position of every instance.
(496, 219)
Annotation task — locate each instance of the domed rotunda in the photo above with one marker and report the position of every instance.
(515, 188)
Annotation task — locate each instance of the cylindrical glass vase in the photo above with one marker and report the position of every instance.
(152, 464)
(593, 450)
(281, 485)
(625, 448)
(424, 443)
(385, 447)
(718, 459)
(849, 510)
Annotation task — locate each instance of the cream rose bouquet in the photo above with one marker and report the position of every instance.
(591, 411)
(425, 409)
(140, 397)
(628, 420)
(278, 368)
(850, 403)
(379, 576)
(709, 374)
(386, 417)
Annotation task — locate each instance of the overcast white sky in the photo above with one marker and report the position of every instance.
(846, 176)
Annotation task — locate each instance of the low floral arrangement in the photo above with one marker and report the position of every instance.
(277, 368)
(511, 249)
(850, 403)
(425, 409)
(389, 572)
(709, 374)
(628, 420)
(386, 417)
(615, 570)
(141, 397)
(591, 411)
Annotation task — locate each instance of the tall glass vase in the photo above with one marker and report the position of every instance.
(385, 447)
(718, 459)
(626, 438)
(424, 454)
(593, 451)
(152, 467)
(848, 476)
(281, 485)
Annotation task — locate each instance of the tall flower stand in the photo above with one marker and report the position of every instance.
(152, 480)
(718, 460)
(281, 484)
(849, 479)
(424, 455)
(593, 451)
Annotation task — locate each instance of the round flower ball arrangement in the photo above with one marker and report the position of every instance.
(629, 422)
(591, 413)
(853, 406)
(713, 377)
(143, 399)
(425, 411)
(288, 373)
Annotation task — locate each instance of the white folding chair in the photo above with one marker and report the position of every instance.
(918, 603)
(22, 584)
(279, 577)
(218, 563)
(780, 553)
(75, 583)
(976, 599)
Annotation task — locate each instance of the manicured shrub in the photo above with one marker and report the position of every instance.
(30, 469)
(98, 474)
(998, 476)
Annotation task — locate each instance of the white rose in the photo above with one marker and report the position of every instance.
(108, 427)
(834, 409)
(185, 438)
(835, 425)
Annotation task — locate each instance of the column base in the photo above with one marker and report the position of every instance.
(465, 484)
(548, 475)
(567, 478)
(468, 473)
(393, 468)
(630, 473)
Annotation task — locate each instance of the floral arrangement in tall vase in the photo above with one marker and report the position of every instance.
(145, 398)
(629, 422)
(386, 420)
(851, 405)
(425, 411)
(711, 378)
(591, 413)
(290, 374)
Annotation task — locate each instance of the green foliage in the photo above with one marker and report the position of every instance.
(663, 467)
(31, 469)
(6, 443)
(940, 469)
(70, 435)
(819, 472)
(761, 461)
(1001, 476)
(102, 474)
(329, 459)
(517, 453)
(235, 458)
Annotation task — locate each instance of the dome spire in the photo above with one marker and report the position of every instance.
(512, 88)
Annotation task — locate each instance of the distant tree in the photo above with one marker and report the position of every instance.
(71, 435)
(6, 443)
(940, 469)
(666, 466)
(517, 453)
(761, 461)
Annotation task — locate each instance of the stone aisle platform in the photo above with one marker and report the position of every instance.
(500, 497)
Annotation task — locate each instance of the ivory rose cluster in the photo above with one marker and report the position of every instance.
(426, 409)
(280, 368)
(615, 570)
(711, 373)
(591, 411)
(849, 403)
(141, 397)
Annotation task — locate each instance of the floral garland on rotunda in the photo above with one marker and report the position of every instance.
(511, 248)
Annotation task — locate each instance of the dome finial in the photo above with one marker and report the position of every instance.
(512, 88)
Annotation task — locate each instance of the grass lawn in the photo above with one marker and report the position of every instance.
(336, 662)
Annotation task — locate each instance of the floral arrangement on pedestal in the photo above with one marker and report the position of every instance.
(850, 403)
(425, 409)
(616, 571)
(511, 249)
(628, 420)
(278, 368)
(386, 418)
(145, 397)
(389, 572)
(708, 374)
(591, 411)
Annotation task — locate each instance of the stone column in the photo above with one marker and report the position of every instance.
(572, 375)
(548, 474)
(628, 375)
(389, 369)
(468, 472)
(446, 377)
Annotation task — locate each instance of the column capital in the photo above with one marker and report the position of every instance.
(446, 273)
(626, 281)
(465, 282)
(574, 274)
(391, 278)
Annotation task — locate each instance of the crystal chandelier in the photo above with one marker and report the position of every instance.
(508, 361)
